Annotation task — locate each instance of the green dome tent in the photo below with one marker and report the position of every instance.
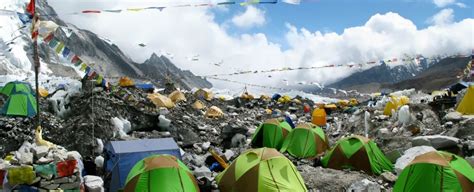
(436, 171)
(20, 104)
(261, 170)
(16, 87)
(358, 153)
(271, 134)
(160, 173)
(306, 141)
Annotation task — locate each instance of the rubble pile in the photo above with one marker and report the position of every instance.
(95, 116)
(34, 167)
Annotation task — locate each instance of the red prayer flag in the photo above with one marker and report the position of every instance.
(66, 168)
(91, 11)
(75, 59)
(48, 38)
(30, 8)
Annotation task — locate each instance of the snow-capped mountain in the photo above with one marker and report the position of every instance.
(101, 54)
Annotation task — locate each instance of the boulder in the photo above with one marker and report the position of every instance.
(409, 155)
(238, 140)
(364, 185)
(436, 141)
(453, 116)
(389, 176)
(202, 171)
(94, 183)
(40, 151)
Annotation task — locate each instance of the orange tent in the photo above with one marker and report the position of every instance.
(126, 82)
(319, 117)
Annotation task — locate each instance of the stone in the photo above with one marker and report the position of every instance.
(384, 131)
(93, 183)
(68, 186)
(449, 124)
(40, 151)
(44, 160)
(389, 176)
(229, 154)
(409, 155)
(73, 155)
(364, 185)
(51, 186)
(453, 116)
(202, 171)
(436, 141)
(205, 146)
(164, 123)
(61, 180)
(238, 140)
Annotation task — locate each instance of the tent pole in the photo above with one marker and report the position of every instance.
(37, 66)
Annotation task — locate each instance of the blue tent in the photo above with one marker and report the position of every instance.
(145, 86)
(123, 155)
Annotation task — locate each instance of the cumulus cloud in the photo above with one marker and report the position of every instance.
(188, 31)
(443, 17)
(250, 18)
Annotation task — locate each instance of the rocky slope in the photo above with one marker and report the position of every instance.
(439, 76)
(102, 55)
(369, 79)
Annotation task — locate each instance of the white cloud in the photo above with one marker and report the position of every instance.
(250, 18)
(189, 31)
(443, 3)
(443, 17)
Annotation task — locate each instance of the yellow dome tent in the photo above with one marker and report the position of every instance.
(198, 105)
(214, 112)
(353, 102)
(265, 98)
(467, 103)
(394, 104)
(160, 100)
(284, 99)
(319, 117)
(343, 103)
(43, 92)
(204, 94)
(177, 96)
(126, 82)
(247, 96)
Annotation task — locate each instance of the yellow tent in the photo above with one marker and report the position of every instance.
(177, 96)
(319, 117)
(330, 106)
(204, 94)
(297, 101)
(160, 100)
(126, 82)
(265, 98)
(284, 99)
(343, 102)
(247, 96)
(467, 103)
(394, 104)
(43, 92)
(214, 112)
(353, 102)
(198, 105)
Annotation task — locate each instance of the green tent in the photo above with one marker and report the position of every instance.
(306, 141)
(271, 134)
(436, 171)
(16, 87)
(20, 104)
(161, 173)
(261, 170)
(357, 153)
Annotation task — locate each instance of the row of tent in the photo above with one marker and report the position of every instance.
(267, 170)
(309, 141)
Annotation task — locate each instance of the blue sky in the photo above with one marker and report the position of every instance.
(336, 15)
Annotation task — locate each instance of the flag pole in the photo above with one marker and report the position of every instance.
(37, 68)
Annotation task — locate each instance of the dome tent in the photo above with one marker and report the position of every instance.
(358, 153)
(161, 173)
(271, 134)
(306, 141)
(262, 170)
(436, 171)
